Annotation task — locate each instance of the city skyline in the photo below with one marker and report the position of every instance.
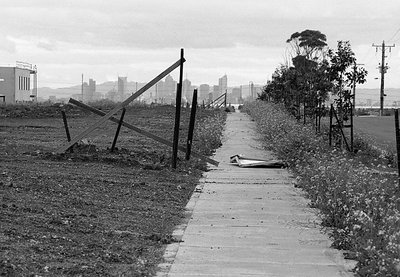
(164, 91)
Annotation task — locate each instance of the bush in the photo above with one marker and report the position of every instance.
(359, 204)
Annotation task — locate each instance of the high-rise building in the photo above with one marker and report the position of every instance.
(169, 89)
(235, 97)
(89, 91)
(187, 91)
(122, 88)
(204, 90)
(223, 84)
(215, 93)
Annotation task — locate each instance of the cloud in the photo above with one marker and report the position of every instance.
(47, 45)
(197, 24)
(140, 37)
(7, 45)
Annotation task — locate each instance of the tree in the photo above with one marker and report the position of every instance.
(343, 75)
(308, 58)
(310, 44)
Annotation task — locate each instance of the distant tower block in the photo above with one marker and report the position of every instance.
(122, 87)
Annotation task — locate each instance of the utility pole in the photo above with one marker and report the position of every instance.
(383, 68)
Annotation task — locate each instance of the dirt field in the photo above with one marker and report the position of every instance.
(92, 212)
(380, 129)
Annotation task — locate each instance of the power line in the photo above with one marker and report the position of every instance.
(398, 30)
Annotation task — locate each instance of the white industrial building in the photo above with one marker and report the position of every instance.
(15, 83)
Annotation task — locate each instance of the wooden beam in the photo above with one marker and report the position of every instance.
(177, 114)
(119, 107)
(118, 129)
(191, 125)
(64, 116)
(140, 131)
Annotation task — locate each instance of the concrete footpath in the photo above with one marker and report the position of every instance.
(250, 221)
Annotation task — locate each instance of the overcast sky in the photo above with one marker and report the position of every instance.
(244, 39)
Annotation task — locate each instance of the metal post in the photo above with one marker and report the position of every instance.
(191, 125)
(396, 123)
(177, 113)
(118, 129)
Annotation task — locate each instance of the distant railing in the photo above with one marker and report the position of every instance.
(25, 65)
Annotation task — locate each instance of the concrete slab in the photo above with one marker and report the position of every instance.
(250, 221)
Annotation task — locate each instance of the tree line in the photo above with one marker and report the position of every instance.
(313, 74)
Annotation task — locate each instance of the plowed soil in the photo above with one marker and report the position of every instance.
(92, 212)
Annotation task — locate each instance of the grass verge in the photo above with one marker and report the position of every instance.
(358, 199)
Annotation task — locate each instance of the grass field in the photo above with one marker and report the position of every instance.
(379, 129)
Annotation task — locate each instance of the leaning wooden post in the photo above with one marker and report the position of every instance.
(191, 125)
(64, 116)
(177, 114)
(118, 129)
(226, 92)
(396, 123)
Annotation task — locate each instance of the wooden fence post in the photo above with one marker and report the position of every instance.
(191, 125)
(340, 125)
(226, 93)
(118, 129)
(177, 113)
(351, 128)
(64, 116)
(396, 123)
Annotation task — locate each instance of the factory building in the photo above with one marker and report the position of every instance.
(15, 83)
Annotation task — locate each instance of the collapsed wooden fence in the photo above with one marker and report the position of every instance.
(109, 116)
